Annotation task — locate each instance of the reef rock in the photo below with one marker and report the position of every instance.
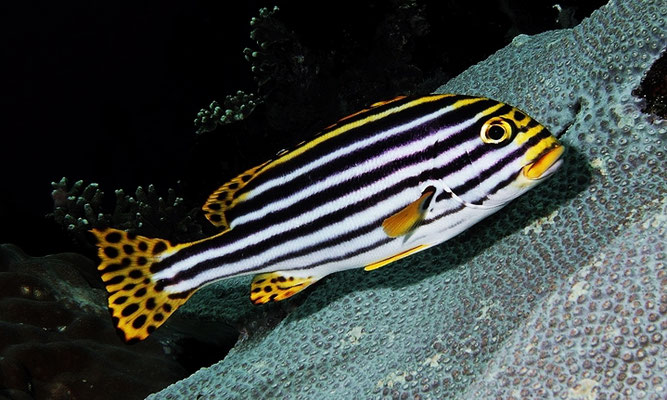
(561, 294)
(57, 340)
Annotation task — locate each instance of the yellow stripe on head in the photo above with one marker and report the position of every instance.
(524, 136)
(541, 147)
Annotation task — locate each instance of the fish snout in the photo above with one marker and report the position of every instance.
(545, 164)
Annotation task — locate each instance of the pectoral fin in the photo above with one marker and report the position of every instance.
(406, 220)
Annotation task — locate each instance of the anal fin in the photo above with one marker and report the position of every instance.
(278, 285)
(388, 260)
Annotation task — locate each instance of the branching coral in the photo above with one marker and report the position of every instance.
(80, 208)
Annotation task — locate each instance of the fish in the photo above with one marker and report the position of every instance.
(389, 181)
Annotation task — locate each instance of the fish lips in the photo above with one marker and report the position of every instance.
(546, 163)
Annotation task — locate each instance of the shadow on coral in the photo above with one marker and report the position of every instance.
(573, 178)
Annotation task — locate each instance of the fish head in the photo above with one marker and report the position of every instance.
(508, 153)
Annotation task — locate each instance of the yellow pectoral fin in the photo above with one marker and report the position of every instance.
(407, 219)
(276, 286)
(396, 257)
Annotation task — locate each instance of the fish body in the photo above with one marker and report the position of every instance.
(379, 185)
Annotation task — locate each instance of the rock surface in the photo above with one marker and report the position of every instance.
(579, 259)
(58, 341)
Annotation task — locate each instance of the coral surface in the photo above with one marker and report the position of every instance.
(561, 294)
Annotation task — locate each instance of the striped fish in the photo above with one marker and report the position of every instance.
(377, 186)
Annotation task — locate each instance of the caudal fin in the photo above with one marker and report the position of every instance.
(138, 305)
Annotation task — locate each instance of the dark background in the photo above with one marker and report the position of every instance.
(107, 91)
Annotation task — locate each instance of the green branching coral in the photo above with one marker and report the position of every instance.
(234, 108)
(271, 37)
(80, 208)
(561, 295)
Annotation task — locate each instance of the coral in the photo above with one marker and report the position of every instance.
(58, 341)
(600, 333)
(580, 259)
(234, 108)
(79, 209)
(292, 70)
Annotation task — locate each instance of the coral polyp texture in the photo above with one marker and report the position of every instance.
(560, 295)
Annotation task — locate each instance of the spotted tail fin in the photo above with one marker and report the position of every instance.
(138, 305)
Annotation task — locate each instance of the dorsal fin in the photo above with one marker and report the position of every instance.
(372, 106)
(225, 198)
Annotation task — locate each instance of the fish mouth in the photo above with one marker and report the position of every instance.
(546, 164)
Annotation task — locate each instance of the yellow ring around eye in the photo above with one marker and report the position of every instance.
(496, 130)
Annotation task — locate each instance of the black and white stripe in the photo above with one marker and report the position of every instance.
(321, 211)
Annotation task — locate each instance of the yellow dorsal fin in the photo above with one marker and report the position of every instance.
(406, 220)
(279, 285)
(372, 106)
(391, 259)
(137, 304)
(225, 198)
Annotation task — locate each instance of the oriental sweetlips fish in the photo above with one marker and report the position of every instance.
(377, 186)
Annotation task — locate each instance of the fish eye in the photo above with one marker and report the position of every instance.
(496, 130)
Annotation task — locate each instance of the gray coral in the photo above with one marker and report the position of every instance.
(234, 108)
(80, 208)
(561, 295)
(267, 32)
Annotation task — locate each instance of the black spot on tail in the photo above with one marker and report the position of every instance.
(113, 237)
(136, 274)
(139, 322)
(111, 252)
(129, 310)
(115, 280)
(150, 303)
